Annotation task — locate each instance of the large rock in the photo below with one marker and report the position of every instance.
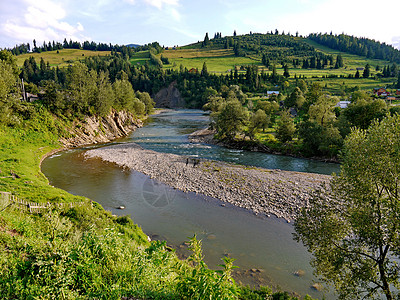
(169, 97)
(94, 130)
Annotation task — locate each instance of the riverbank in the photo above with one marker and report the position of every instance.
(262, 191)
(206, 136)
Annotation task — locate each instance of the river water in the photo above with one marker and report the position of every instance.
(263, 247)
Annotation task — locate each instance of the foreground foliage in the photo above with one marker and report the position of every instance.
(354, 233)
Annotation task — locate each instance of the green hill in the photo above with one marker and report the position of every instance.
(222, 55)
(62, 57)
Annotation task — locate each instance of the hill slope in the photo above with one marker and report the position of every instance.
(60, 58)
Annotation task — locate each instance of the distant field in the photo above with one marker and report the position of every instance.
(223, 60)
(140, 58)
(63, 58)
(217, 60)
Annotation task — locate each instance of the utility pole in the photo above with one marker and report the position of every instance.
(23, 89)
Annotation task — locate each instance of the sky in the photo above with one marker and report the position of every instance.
(181, 22)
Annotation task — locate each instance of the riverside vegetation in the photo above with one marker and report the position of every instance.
(83, 251)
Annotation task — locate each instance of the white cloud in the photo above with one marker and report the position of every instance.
(361, 18)
(79, 27)
(175, 15)
(396, 42)
(156, 3)
(41, 20)
(159, 3)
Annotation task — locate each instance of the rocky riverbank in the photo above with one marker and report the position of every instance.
(265, 192)
(94, 130)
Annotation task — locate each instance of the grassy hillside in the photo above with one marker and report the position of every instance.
(217, 60)
(63, 58)
(140, 58)
(221, 61)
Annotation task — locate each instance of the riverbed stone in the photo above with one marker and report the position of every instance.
(264, 192)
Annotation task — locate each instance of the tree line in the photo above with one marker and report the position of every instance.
(71, 92)
(360, 46)
(86, 45)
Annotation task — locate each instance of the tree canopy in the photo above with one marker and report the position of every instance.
(353, 231)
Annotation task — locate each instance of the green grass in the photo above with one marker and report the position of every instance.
(20, 152)
(221, 61)
(61, 59)
(217, 60)
(140, 58)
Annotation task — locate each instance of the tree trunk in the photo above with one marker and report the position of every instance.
(385, 284)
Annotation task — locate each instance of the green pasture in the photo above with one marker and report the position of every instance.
(140, 58)
(61, 59)
(217, 60)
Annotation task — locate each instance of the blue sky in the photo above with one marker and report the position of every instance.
(180, 22)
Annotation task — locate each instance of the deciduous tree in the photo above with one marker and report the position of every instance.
(353, 232)
(286, 128)
(230, 119)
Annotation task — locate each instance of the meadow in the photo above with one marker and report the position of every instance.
(222, 61)
(60, 58)
(140, 58)
(219, 61)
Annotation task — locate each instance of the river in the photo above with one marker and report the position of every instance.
(263, 247)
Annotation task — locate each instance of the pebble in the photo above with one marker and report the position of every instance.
(266, 192)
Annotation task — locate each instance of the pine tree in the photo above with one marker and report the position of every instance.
(305, 64)
(319, 64)
(206, 41)
(357, 75)
(367, 71)
(274, 74)
(286, 71)
(312, 62)
(398, 82)
(204, 71)
(226, 44)
(339, 62)
(265, 60)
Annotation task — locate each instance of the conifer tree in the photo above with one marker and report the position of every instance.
(339, 62)
(286, 71)
(206, 41)
(204, 71)
(367, 71)
(398, 82)
(226, 44)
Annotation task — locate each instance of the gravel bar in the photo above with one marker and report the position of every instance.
(262, 191)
